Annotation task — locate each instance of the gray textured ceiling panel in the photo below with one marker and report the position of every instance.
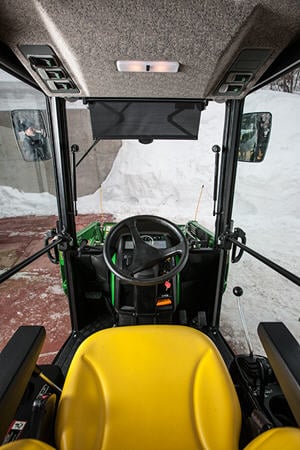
(204, 36)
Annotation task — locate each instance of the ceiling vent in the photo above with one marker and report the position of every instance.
(47, 65)
(242, 71)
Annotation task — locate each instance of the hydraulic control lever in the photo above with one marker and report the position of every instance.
(255, 371)
(238, 292)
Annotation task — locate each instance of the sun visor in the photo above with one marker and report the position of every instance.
(145, 119)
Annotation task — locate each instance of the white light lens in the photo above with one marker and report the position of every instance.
(148, 66)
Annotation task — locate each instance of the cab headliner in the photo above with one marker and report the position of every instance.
(205, 37)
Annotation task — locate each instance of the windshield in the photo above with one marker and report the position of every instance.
(169, 178)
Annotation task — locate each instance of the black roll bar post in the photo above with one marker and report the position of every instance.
(229, 159)
(62, 169)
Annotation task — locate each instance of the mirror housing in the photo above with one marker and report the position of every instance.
(31, 134)
(254, 137)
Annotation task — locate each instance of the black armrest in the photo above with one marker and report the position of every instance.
(283, 352)
(17, 363)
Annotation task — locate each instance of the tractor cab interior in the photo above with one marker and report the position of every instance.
(146, 364)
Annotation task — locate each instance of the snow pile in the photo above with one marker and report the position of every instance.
(18, 203)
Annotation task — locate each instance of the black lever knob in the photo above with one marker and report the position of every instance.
(74, 148)
(238, 291)
(216, 148)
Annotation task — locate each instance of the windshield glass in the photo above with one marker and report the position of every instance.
(173, 179)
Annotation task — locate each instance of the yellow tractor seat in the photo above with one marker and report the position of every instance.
(151, 387)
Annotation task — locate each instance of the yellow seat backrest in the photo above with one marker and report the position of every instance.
(148, 387)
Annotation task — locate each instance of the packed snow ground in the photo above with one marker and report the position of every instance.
(165, 178)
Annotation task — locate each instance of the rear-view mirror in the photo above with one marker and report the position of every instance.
(255, 135)
(31, 134)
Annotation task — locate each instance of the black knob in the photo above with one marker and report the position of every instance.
(238, 291)
(74, 148)
(216, 148)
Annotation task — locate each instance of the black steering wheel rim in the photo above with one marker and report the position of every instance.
(145, 255)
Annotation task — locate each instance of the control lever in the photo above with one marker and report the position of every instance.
(238, 292)
(255, 370)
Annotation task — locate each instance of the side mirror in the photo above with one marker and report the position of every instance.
(31, 134)
(255, 135)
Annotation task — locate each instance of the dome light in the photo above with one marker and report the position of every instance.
(148, 66)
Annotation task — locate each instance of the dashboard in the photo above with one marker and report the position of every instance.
(158, 241)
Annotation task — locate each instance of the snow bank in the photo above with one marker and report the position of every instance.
(17, 203)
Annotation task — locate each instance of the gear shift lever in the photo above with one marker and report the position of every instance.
(238, 292)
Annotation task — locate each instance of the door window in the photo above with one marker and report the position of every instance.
(28, 209)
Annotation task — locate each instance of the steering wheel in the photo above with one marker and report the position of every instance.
(144, 255)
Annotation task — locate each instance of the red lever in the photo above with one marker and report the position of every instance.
(168, 284)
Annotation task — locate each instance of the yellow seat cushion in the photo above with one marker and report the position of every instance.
(277, 439)
(148, 387)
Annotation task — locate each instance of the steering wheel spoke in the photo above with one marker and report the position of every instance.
(132, 227)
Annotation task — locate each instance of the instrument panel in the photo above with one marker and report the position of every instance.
(157, 241)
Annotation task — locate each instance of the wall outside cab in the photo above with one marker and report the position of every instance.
(93, 170)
